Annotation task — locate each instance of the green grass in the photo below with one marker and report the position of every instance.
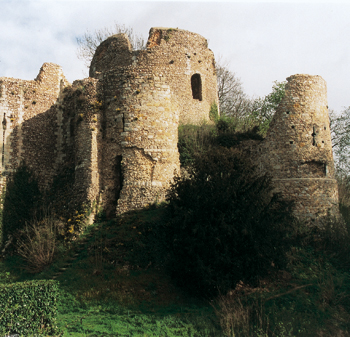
(111, 290)
(115, 288)
(111, 322)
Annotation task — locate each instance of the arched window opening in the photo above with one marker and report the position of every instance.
(196, 84)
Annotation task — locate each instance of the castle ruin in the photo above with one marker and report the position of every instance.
(118, 129)
(297, 150)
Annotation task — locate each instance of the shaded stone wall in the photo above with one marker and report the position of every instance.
(80, 138)
(28, 122)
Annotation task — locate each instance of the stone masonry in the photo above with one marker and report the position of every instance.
(118, 129)
(299, 141)
(297, 150)
(29, 122)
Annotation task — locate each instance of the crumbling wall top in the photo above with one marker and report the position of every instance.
(49, 72)
(177, 36)
(115, 50)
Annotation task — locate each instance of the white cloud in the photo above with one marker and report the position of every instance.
(263, 41)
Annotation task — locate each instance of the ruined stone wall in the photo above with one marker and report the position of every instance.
(297, 150)
(139, 139)
(29, 122)
(118, 130)
(80, 138)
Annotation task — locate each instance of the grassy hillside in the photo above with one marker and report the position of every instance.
(109, 287)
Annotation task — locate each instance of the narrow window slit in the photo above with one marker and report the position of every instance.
(314, 143)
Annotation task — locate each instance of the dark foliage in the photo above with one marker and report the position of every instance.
(331, 237)
(22, 198)
(230, 139)
(194, 139)
(226, 225)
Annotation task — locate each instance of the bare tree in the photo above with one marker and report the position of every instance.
(248, 112)
(88, 43)
(233, 101)
(340, 131)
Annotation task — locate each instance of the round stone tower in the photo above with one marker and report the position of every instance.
(145, 94)
(299, 148)
(178, 58)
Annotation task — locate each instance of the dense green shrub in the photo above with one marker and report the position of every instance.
(226, 124)
(231, 139)
(331, 237)
(226, 225)
(29, 307)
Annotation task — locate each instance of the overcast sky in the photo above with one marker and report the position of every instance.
(262, 42)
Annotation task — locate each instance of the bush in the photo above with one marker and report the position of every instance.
(29, 308)
(231, 139)
(198, 139)
(214, 112)
(194, 139)
(38, 243)
(227, 225)
(227, 124)
(331, 238)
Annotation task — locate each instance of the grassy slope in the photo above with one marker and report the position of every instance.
(106, 292)
(110, 288)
